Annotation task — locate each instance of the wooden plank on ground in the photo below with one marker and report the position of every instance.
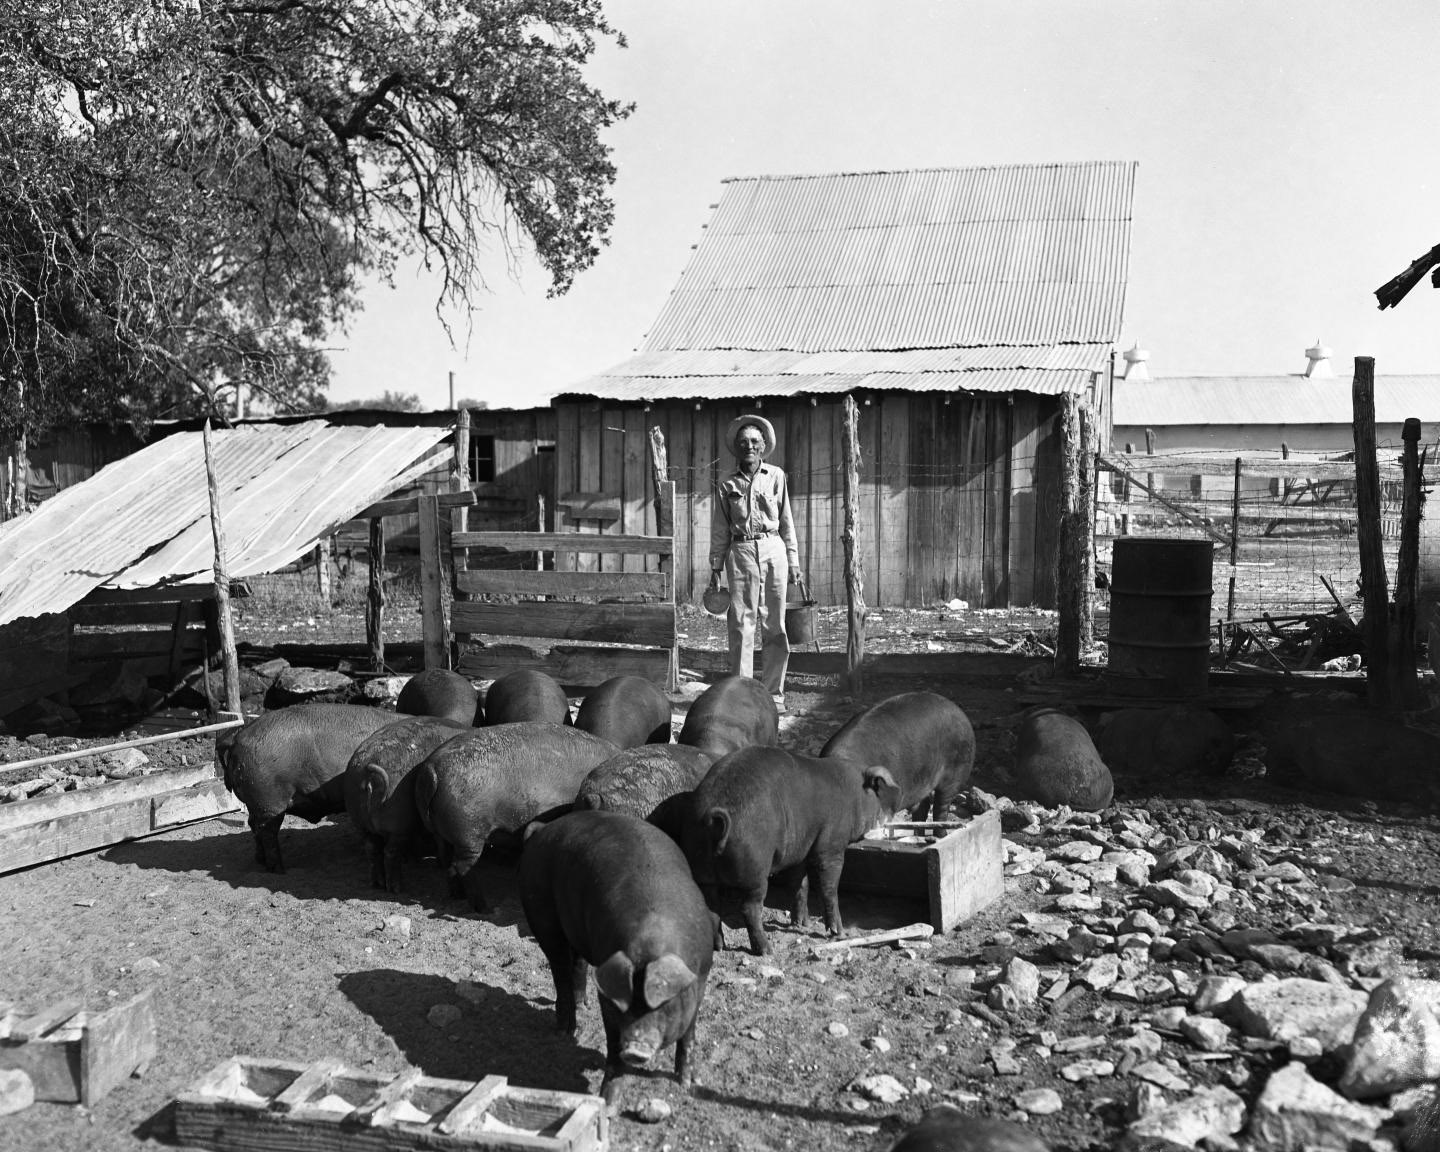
(572, 667)
(619, 585)
(116, 1044)
(198, 802)
(615, 623)
(561, 542)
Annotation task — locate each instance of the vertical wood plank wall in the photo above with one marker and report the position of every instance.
(959, 499)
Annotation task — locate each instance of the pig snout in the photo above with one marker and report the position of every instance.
(638, 1051)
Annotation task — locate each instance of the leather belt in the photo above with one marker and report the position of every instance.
(751, 536)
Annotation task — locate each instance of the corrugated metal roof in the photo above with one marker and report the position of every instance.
(737, 385)
(1179, 400)
(926, 258)
(144, 520)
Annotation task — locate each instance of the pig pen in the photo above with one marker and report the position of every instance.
(797, 1050)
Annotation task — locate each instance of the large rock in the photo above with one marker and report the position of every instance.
(1396, 1046)
(310, 686)
(1211, 1113)
(1296, 1112)
(1285, 1010)
(947, 1129)
(1159, 742)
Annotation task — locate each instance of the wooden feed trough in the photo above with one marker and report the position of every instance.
(73, 1056)
(955, 868)
(251, 1105)
(43, 828)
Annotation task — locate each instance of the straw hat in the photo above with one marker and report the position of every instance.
(766, 429)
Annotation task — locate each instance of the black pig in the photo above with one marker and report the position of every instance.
(628, 711)
(609, 890)
(441, 692)
(526, 694)
(734, 712)
(764, 811)
(924, 739)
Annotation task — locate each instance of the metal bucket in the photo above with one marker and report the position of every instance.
(800, 619)
(1160, 592)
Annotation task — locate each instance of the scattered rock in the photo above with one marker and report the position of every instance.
(443, 1016)
(1210, 1114)
(1039, 1101)
(1396, 1044)
(1214, 993)
(1296, 1111)
(17, 1091)
(1206, 1033)
(1285, 1009)
(653, 1111)
(881, 1088)
(837, 1029)
(877, 1044)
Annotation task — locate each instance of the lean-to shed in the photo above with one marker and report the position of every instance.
(958, 305)
(132, 545)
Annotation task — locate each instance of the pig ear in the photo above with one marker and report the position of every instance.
(877, 775)
(616, 980)
(665, 979)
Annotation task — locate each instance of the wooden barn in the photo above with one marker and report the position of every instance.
(957, 305)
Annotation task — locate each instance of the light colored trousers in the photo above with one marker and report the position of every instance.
(758, 573)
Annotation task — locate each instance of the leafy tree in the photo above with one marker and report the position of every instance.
(191, 189)
(387, 401)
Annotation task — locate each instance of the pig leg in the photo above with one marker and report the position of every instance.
(377, 859)
(570, 973)
(752, 908)
(466, 877)
(826, 871)
(793, 880)
(267, 841)
(711, 892)
(683, 1073)
(395, 849)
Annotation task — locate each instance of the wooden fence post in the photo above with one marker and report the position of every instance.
(322, 570)
(1406, 684)
(222, 583)
(854, 571)
(1376, 625)
(460, 517)
(375, 602)
(1070, 564)
(432, 608)
(1234, 547)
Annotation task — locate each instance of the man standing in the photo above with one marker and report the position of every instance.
(752, 537)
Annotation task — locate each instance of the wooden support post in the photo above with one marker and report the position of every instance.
(460, 517)
(1070, 563)
(1085, 509)
(322, 570)
(540, 527)
(854, 571)
(432, 608)
(222, 582)
(1234, 545)
(460, 482)
(1376, 625)
(1405, 683)
(375, 602)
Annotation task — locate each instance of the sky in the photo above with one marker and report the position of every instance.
(1288, 151)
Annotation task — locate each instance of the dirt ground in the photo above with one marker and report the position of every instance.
(315, 963)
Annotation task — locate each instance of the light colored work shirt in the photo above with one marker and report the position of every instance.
(753, 506)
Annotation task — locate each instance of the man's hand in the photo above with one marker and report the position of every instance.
(714, 577)
(795, 575)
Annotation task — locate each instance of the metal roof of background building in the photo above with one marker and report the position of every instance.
(1184, 400)
(1021, 266)
(144, 520)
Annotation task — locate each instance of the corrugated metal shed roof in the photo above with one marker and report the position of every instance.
(144, 520)
(925, 258)
(1179, 400)
(722, 374)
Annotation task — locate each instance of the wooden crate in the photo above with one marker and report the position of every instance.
(250, 1105)
(73, 1056)
(955, 868)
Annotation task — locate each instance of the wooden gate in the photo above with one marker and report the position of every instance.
(615, 623)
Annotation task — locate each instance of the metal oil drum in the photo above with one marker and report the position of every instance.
(1160, 592)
